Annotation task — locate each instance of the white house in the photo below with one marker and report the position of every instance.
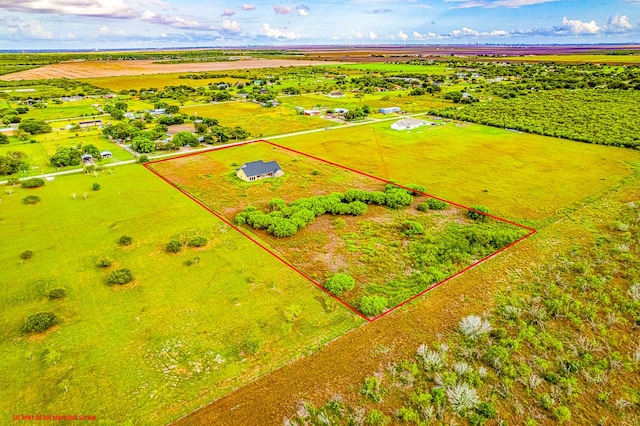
(410, 123)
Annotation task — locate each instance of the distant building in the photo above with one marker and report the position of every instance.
(90, 123)
(106, 154)
(410, 123)
(389, 110)
(158, 111)
(311, 112)
(87, 158)
(259, 170)
(336, 95)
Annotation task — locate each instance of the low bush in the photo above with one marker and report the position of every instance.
(373, 305)
(103, 263)
(197, 242)
(339, 283)
(26, 255)
(32, 183)
(476, 212)
(435, 204)
(37, 323)
(411, 227)
(120, 276)
(173, 246)
(57, 293)
(95, 186)
(125, 240)
(31, 199)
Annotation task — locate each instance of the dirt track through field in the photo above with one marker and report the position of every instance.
(96, 69)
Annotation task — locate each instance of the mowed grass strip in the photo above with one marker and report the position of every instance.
(519, 176)
(189, 328)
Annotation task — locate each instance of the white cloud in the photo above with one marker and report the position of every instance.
(100, 8)
(355, 34)
(228, 12)
(281, 10)
(465, 4)
(303, 12)
(247, 7)
(278, 34)
(402, 36)
(17, 29)
(230, 26)
(470, 32)
(172, 21)
(429, 35)
(618, 24)
(578, 27)
(373, 35)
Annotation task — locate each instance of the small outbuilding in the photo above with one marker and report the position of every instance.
(255, 170)
(389, 110)
(106, 154)
(87, 158)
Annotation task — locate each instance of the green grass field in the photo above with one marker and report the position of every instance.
(38, 153)
(257, 120)
(435, 68)
(158, 81)
(518, 176)
(173, 339)
(54, 111)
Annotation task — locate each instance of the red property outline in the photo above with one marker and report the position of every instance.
(225, 220)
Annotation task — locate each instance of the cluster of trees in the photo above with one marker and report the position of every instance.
(285, 220)
(34, 127)
(12, 162)
(116, 109)
(72, 156)
(357, 113)
(593, 116)
(10, 115)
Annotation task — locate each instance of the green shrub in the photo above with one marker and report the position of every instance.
(57, 293)
(120, 276)
(125, 240)
(95, 186)
(103, 263)
(197, 242)
(372, 389)
(32, 183)
(37, 323)
(173, 246)
(30, 199)
(435, 204)
(143, 159)
(373, 305)
(339, 283)
(411, 227)
(562, 414)
(376, 418)
(476, 212)
(26, 255)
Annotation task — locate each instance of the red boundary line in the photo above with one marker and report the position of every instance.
(262, 246)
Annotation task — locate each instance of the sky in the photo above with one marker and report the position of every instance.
(111, 24)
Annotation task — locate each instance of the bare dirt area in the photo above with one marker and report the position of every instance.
(96, 69)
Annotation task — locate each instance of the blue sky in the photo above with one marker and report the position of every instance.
(105, 24)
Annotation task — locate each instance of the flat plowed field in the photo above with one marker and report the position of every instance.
(95, 69)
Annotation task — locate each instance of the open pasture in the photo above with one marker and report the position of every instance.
(65, 110)
(257, 120)
(158, 81)
(522, 177)
(189, 328)
(393, 253)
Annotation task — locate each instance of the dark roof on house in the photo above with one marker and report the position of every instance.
(257, 168)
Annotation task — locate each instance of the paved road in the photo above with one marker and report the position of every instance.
(213, 148)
